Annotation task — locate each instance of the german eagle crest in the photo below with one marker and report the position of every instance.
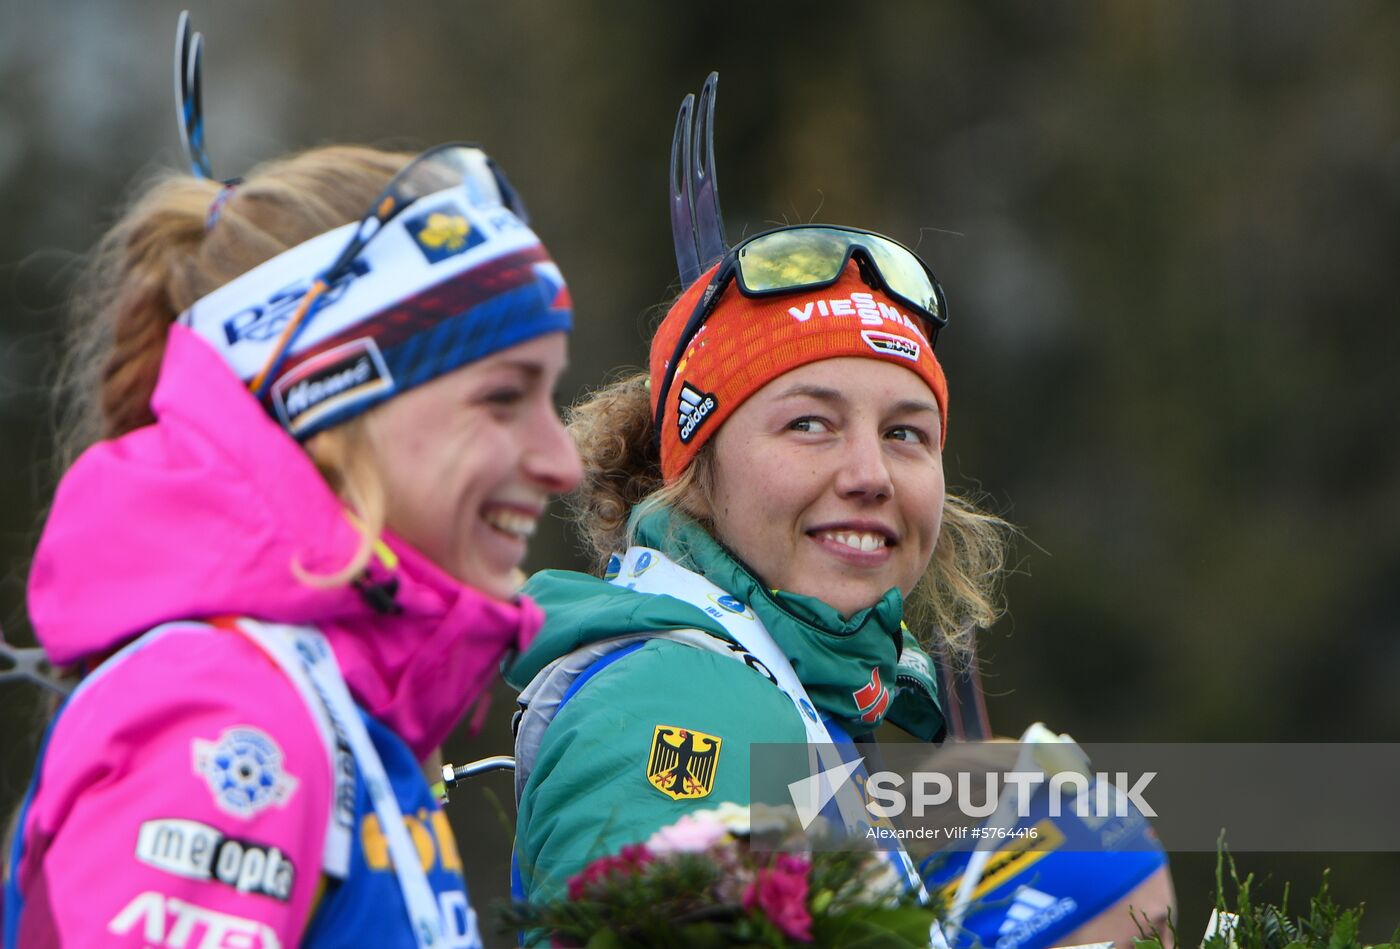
(683, 762)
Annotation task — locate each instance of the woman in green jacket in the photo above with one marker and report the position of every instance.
(768, 507)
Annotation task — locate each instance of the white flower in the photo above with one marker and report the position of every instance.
(693, 833)
(734, 817)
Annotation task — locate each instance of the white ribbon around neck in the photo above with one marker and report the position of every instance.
(306, 657)
(647, 570)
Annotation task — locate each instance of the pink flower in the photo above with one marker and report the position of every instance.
(781, 893)
(628, 862)
(690, 834)
(790, 863)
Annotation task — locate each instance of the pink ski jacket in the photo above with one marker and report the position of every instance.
(183, 793)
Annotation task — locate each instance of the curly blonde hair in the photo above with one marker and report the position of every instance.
(958, 593)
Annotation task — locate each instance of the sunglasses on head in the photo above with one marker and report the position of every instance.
(455, 164)
(810, 257)
(452, 165)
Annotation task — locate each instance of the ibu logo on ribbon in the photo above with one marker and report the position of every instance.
(643, 563)
(731, 604)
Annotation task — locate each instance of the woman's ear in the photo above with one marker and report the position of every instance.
(699, 498)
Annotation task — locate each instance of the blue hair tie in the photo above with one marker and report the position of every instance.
(216, 207)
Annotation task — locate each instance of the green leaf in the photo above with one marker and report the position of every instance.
(875, 928)
(863, 934)
(911, 923)
(702, 936)
(605, 939)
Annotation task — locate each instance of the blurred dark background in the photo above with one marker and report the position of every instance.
(1169, 234)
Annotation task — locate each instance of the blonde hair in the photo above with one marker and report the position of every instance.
(345, 457)
(958, 593)
(164, 253)
(162, 256)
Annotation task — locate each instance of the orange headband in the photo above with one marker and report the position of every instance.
(747, 342)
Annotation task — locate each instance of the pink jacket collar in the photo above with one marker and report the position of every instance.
(202, 515)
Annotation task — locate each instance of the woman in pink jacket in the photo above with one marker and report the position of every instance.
(322, 430)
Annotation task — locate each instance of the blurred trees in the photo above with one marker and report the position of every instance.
(1168, 234)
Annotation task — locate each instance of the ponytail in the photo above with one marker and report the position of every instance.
(167, 251)
(142, 275)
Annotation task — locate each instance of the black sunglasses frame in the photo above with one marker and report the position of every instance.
(936, 320)
(392, 201)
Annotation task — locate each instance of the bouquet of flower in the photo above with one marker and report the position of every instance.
(697, 883)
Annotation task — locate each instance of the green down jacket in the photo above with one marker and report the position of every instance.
(584, 788)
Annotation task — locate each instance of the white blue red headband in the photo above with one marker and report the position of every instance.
(439, 286)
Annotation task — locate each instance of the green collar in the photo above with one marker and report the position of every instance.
(851, 668)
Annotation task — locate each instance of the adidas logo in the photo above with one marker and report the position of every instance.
(692, 408)
(1031, 912)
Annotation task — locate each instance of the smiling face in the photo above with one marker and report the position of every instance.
(469, 460)
(828, 481)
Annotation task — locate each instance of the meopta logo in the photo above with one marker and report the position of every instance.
(197, 851)
(692, 408)
(330, 381)
(890, 345)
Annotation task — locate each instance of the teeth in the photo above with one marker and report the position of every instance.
(857, 541)
(511, 522)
